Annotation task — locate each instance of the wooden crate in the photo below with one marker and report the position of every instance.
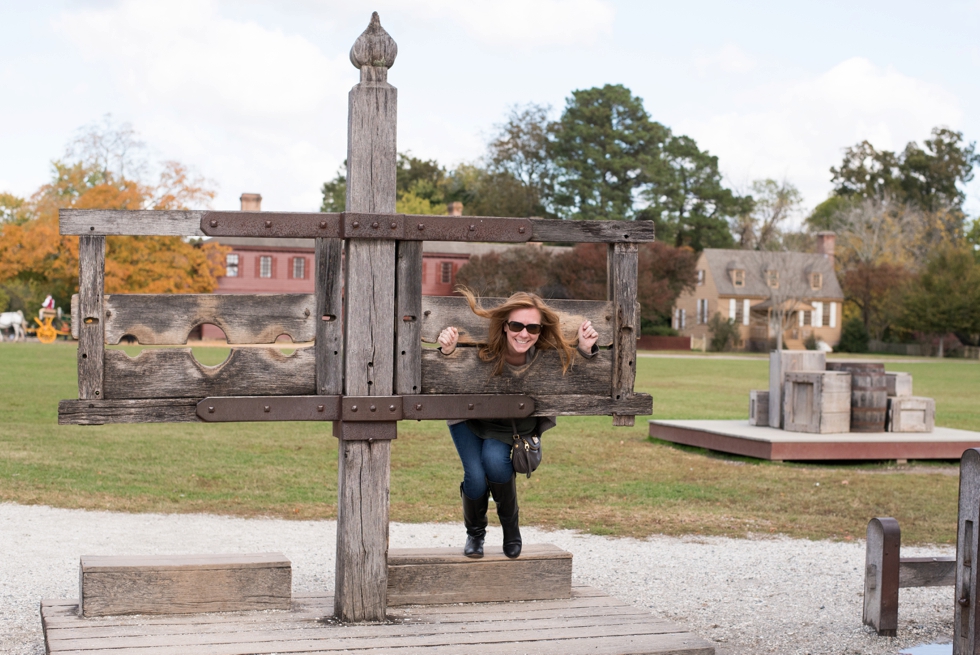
(782, 362)
(899, 384)
(911, 414)
(183, 584)
(759, 407)
(435, 576)
(817, 401)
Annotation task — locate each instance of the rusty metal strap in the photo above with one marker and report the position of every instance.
(350, 225)
(363, 409)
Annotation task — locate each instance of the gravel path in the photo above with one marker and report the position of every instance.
(750, 596)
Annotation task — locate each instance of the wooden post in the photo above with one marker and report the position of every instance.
(91, 332)
(408, 319)
(881, 576)
(622, 261)
(329, 329)
(369, 309)
(965, 624)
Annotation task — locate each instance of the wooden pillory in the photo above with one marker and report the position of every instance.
(367, 368)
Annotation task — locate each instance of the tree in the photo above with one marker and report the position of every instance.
(604, 147)
(876, 290)
(13, 209)
(487, 193)
(773, 203)
(420, 187)
(335, 192)
(500, 274)
(687, 200)
(520, 152)
(787, 287)
(946, 297)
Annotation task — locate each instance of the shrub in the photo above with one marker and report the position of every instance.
(810, 343)
(725, 334)
(854, 337)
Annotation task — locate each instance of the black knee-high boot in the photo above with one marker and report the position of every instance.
(505, 497)
(475, 520)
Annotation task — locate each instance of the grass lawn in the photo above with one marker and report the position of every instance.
(595, 477)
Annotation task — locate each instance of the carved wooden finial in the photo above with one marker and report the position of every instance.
(374, 47)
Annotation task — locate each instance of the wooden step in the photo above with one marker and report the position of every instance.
(183, 584)
(435, 576)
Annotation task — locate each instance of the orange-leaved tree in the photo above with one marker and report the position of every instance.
(32, 250)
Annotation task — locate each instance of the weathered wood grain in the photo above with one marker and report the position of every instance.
(881, 575)
(965, 615)
(329, 308)
(96, 222)
(462, 372)
(639, 404)
(817, 402)
(433, 576)
(898, 384)
(911, 414)
(926, 572)
(408, 317)
(369, 310)
(759, 407)
(91, 329)
(174, 373)
(622, 261)
(183, 584)
(168, 319)
(439, 312)
(780, 363)
(547, 229)
(100, 412)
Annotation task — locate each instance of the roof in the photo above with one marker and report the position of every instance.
(754, 263)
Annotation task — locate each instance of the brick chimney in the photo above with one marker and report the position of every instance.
(251, 202)
(454, 208)
(825, 245)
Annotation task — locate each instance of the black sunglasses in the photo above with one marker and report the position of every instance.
(515, 327)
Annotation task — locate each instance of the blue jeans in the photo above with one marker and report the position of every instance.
(483, 459)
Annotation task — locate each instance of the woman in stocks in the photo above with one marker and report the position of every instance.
(518, 327)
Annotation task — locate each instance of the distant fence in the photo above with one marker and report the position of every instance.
(921, 349)
(649, 342)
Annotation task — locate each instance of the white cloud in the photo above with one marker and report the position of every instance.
(729, 59)
(525, 23)
(797, 131)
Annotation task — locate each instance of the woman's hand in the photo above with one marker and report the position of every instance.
(587, 336)
(448, 339)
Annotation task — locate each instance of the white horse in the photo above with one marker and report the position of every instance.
(14, 321)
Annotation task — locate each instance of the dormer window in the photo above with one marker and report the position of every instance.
(738, 277)
(772, 279)
(816, 281)
(700, 277)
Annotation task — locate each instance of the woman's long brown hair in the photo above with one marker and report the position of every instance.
(550, 337)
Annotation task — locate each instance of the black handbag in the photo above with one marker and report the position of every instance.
(526, 452)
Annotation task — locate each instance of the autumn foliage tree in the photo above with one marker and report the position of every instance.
(33, 252)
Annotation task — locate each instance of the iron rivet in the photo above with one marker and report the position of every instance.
(319, 408)
(418, 407)
(323, 225)
(371, 440)
(394, 225)
(210, 410)
(375, 225)
(391, 408)
(353, 408)
(472, 228)
(306, 312)
(470, 406)
(421, 226)
(268, 223)
(964, 601)
(521, 406)
(268, 409)
(356, 224)
(214, 223)
(374, 408)
(521, 230)
(108, 313)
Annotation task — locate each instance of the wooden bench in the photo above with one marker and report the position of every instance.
(886, 572)
(183, 584)
(433, 576)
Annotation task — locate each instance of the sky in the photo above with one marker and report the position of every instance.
(253, 95)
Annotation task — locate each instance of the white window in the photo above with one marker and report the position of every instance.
(772, 279)
(745, 312)
(738, 277)
(818, 314)
(231, 265)
(265, 266)
(816, 281)
(447, 272)
(700, 276)
(833, 314)
(732, 309)
(702, 310)
(683, 318)
(299, 268)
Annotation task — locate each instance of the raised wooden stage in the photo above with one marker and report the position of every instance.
(740, 438)
(589, 622)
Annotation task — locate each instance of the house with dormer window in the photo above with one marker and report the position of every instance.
(757, 289)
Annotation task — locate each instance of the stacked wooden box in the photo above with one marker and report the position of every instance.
(908, 413)
(817, 401)
(759, 407)
(782, 362)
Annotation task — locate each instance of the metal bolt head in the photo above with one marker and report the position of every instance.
(319, 408)
(375, 225)
(268, 409)
(371, 440)
(210, 410)
(214, 223)
(268, 223)
(472, 228)
(418, 407)
(421, 226)
(394, 225)
(521, 406)
(323, 225)
(520, 230)
(353, 408)
(356, 224)
(469, 406)
(374, 408)
(306, 313)
(391, 408)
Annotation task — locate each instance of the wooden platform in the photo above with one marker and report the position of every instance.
(740, 438)
(589, 622)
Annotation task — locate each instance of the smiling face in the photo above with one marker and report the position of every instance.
(518, 343)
